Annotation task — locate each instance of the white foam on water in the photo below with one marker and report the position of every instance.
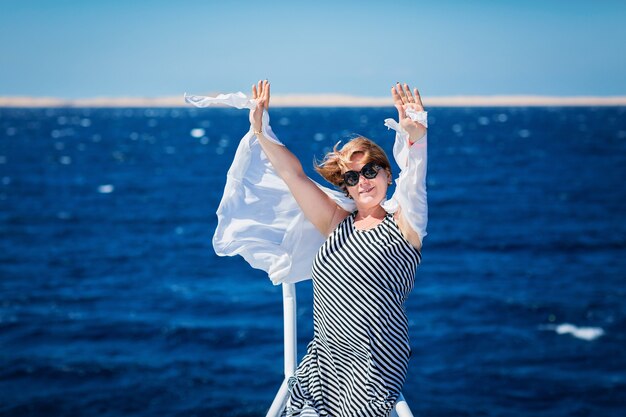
(197, 132)
(583, 333)
(106, 188)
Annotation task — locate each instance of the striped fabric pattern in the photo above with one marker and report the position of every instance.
(356, 363)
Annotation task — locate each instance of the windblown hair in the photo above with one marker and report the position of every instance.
(335, 163)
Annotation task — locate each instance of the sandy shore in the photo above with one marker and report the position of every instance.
(322, 100)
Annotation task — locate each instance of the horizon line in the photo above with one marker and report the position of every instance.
(325, 100)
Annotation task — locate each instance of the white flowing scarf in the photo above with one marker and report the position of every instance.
(259, 219)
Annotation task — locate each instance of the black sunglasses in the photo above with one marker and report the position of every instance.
(369, 171)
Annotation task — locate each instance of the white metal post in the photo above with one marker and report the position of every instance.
(290, 348)
(291, 328)
(401, 409)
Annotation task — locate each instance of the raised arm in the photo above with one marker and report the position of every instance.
(411, 190)
(318, 208)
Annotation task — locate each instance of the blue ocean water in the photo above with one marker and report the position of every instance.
(113, 302)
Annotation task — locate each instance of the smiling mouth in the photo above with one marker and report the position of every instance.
(366, 190)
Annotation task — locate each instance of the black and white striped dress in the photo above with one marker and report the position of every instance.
(356, 363)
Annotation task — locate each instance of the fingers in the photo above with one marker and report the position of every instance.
(402, 93)
(418, 98)
(407, 93)
(397, 102)
(261, 92)
(257, 90)
(394, 94)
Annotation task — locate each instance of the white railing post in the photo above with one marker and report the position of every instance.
(401, 409)
(290, 340)
(290, 328)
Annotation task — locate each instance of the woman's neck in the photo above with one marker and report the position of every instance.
(376, 211)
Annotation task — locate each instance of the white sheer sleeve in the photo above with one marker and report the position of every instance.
(258, 218)
(410, 194)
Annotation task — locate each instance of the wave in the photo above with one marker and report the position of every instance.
(583, 333)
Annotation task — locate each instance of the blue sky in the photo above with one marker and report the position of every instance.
(79, 49)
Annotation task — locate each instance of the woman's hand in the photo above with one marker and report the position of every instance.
(261, 93)
(403, 100)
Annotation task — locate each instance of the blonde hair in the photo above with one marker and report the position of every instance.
(336, 162)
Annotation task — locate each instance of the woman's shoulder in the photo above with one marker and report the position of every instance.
(339, 217)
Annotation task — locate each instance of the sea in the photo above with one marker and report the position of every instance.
(113, 302)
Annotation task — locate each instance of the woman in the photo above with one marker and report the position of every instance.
(357, 361)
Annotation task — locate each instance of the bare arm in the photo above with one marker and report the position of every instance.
(318, 208)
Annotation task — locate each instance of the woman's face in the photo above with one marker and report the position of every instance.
(368, 192)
